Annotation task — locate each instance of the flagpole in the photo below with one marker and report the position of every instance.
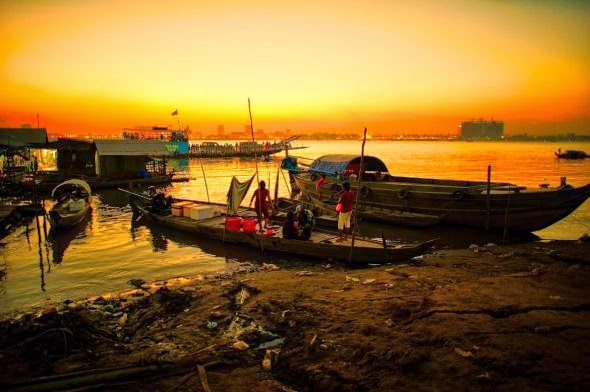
(177, 117)
(259, 199)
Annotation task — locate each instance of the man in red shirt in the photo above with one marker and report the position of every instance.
(345, 213)
(261, 206)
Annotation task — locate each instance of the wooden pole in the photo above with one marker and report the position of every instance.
(260, 201)
(276, 201)
(205, 179)
(488, 205)
(505, 233)
(356, 196)
(287, 184)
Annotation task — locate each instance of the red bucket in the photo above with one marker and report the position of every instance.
(249, 225)
(233, 223)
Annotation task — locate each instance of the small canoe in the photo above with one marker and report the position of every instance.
(571, 154)
(321, 245)
(72, 199)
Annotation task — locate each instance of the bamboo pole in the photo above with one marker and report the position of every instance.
(259, 199)
(356, 196)
(287, 185)
(505, 231)
(276, 200)
(488, 206)
(205, 179)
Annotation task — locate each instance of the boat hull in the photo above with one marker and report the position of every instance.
(365, 252)
(60, 219)
(510, 207)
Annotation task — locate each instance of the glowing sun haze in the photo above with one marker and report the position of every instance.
(393, 66)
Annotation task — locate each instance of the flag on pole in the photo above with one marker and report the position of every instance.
(175, 112)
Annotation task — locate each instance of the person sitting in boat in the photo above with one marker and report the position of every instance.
(304, 222)
(345, 212)
(262, 197)
(289, 229)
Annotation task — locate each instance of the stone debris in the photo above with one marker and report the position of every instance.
(240, 345)
(463, 353)
(242, 296)
(269, 267)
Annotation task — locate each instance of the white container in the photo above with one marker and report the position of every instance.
(186, 209)
(178, 207)
(199, 212)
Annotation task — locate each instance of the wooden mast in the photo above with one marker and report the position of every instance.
(259, 199)
(356, 196)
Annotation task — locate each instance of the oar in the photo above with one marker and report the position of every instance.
(134, 194)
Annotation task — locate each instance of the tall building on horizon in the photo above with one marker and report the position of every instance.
(482, 129)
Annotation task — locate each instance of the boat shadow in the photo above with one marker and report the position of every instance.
(60, 240)
(449, 236)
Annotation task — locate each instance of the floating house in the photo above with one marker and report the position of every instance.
(107, 163)
(15, 154)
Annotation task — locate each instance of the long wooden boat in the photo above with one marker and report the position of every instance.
(246, 149)
(321, 245)
(72, 204)
(385, 197)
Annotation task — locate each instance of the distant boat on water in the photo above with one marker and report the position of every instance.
(571, 154)
(385, 197)
(242, 149)
(175, 140)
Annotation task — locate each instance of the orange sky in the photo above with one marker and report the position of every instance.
(393, 66)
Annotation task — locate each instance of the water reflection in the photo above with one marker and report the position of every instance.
(230, 252)
(59, 240)
(39, 242)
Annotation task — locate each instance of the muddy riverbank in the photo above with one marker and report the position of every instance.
(486, 318)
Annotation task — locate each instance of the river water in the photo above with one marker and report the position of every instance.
(113, 246)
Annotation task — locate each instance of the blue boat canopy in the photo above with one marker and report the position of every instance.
(346, 164)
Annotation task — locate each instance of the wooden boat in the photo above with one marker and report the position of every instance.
(72, 204)
(322, 245)
(571, 154)
(385, 197)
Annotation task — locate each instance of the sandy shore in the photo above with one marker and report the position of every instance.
(490, 318)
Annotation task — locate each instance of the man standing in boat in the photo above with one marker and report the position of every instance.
(345, 212)
(261, 206)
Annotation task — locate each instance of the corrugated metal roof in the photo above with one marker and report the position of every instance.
(18, 137)
(125, 147)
